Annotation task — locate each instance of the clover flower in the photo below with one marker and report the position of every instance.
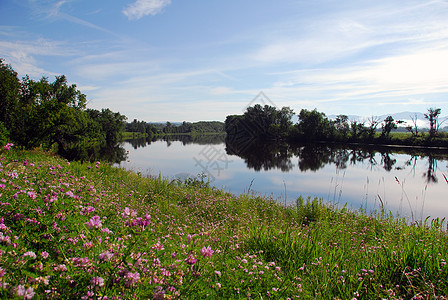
(190, 260)
(207, 252)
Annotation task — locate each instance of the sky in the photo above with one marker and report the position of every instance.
(192, 60)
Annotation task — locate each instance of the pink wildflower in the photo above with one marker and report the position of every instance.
(190, 260)
(98, 281)
(206, 252)
(158, 246)
(94, 222)
(44, 254)
(106, 255)
(8, 146)
(60, 268)
(25, 293)
(132, 278)
(30, 254)
(70, 194)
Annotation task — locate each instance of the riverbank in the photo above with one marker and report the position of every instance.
(72, 230)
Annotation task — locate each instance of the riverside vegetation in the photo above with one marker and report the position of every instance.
(71, 230)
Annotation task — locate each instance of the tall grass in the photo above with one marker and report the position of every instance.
(91, 231)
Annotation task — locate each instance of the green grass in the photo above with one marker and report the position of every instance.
(91, 231)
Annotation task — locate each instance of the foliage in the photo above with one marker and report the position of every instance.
(260, 123)
(152, 129)
(388, 126)
(270, 124)
(432, 116)
(4, 134)
(53, 115)
(314, 126)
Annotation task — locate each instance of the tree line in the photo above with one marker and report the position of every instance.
(269, 123)
(53, 115)
(154, 129)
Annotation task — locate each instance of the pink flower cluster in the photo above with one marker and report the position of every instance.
(8, 146)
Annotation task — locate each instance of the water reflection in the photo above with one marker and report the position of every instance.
(408, 182)
(313, 157)
(205, 139)
(114, 154)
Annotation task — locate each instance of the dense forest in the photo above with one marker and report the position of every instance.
(268, 123)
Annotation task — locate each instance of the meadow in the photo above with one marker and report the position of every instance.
(72, 230)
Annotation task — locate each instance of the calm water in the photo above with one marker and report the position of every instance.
(412, 184)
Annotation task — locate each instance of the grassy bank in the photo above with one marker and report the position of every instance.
(90, 231)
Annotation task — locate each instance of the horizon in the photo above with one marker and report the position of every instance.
(177, 60)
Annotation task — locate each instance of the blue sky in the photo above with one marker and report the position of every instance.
(191, 60)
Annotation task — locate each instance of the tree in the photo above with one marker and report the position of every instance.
(342, 126)
(413, 129)
(373, 124)
(357, 128)
(388, 126)
(314, 125)
(9, 95)
(432, 116)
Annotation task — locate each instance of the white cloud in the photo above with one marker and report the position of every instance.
(141, 8)
(22, 55)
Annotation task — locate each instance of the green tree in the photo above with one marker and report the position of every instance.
(433, 116)
(342, 126)
(9, 95)
(314, 125)
(356, 129)
(373, 124)
(388, 126)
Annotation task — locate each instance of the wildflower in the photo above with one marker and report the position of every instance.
(98, 281)
(218, 285)
(60, 268)
(5, 238)
(190, 260)
(106, 255)
(189, 238)
(207, 252)
(30, 254)
(132, 277)
(89, 209)
(158, 246)
(8, 146)
(25, 293)
(70, 194)
(218, 273)
(128, 212)
(94, 222)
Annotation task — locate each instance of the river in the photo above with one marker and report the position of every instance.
(406, 182)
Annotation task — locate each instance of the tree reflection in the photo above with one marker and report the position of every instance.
(260, 155)
(185, 139)
(430, 174)
(266, 156)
